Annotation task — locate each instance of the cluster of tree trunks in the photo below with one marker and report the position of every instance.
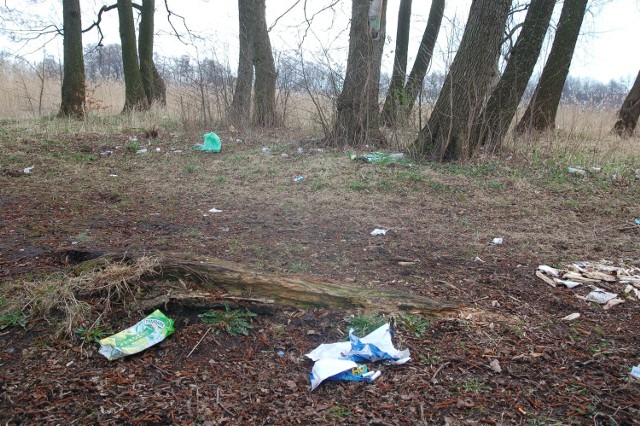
(357, 114)
(469, 112)
(255, 55)
(447, 135)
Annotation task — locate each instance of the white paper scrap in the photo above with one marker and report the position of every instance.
(379, 231)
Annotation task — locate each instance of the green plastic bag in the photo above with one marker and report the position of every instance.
(212, 143)
(151, 330)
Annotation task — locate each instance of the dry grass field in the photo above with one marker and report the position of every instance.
(89, 190)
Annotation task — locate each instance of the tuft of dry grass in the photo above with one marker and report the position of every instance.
(72, 299)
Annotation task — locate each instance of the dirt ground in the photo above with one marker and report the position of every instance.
(440, 220)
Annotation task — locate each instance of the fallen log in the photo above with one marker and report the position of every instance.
(233, 280)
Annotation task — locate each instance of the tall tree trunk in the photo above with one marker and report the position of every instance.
(357, 114)
(73, 89)
(629, 112)
(265, 69)
(154, 86)
(135, 97)
(541, 112)
(423, 59)
(399, 75)
(447, 135)
(506, 96)
(239, 112)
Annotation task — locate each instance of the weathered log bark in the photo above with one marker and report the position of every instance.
(234, 280)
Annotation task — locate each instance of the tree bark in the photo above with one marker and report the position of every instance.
(425, 52)
(265, 69)
(505, 97)
(239, 112)
(357, 112)
(399, 75)
(447, 135)
(135, 97)
(235, 281)
(154, 86)
(73, 80)
(629, 112)
(543, 107)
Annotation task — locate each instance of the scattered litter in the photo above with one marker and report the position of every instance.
(142, 151)
(74, 243)
(298, 178)
(280, 353)
(594, 169)
(636, 221)
(495, 366)
(595, 275)
(611, 303)
(635, 371)
(566, 283)
(340, 370)
(600, 296)
(402, 263)
(225, 229)
(106, 153)
(334, 358)
(266, 150)
(549, 270)
(158, 149)
(175, 150)
(477, 259)
(112, 175)
(575, 171)
(378, 157)
(379, 231)
(146, 333)
(133, 139)
(284, 155)
(214, 210)
(27, 170)
(497, 241)
(211, 143)
(300, 150)
(631, 289)
(571, 317)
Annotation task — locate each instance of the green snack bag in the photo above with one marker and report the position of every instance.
(151, 330)
(211, 143)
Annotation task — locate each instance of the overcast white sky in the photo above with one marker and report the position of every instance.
(606, 49)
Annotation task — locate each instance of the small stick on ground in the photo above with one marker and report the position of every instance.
(199, 341)
(220, 403)
(438, 371)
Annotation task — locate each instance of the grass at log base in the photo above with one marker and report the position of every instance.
(441, 219)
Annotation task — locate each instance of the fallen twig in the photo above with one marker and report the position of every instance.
(199, 341)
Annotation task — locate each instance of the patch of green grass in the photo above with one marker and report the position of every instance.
(339, 412)
(318, 185)
(475, 386)
(93, 333)
(410, 176)
(232, 321)
(189, 169)
(358, 186)
(11, 317)
(437, 186)
(496, 185)
(430, 357)
(416, 325)
(133, 146)
(298, 266)
(364, 324)
(219, 180)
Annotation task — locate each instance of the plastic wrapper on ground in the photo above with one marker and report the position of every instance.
(146, 333)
